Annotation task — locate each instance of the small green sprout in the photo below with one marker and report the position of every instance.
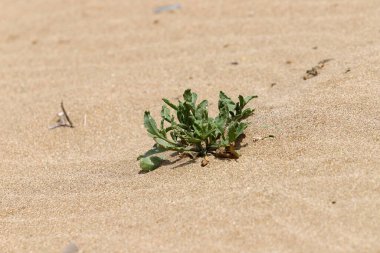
(191, 131)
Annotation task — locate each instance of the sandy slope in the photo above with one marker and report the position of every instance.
(315, 188)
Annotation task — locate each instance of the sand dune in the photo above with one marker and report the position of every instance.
(314, 188)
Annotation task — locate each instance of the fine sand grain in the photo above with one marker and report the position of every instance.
(313, 188)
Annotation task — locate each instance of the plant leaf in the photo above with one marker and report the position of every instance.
(190, 97)
(225, 100)
(150, 163)
(201, 112)
(151, 126)
(249, 98)
(245, 114)
(187, 95)
(170, 104)
(235, 130)
(165, 113)
(243, 101)
(165, 143)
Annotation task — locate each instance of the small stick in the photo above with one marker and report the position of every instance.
(63, 119)
(255, 139)
(66, 115)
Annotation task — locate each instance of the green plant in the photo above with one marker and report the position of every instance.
(191, 131)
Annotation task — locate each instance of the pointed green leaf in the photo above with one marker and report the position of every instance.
(249, 98)
(194, 98)
(165, 143)
(203, 105)
(187, 95)
(165, 113)
(235, 130)
(150, 125)
(201, 111)
(225, 100)
(243, 101)
(170, 104)
(246, 113)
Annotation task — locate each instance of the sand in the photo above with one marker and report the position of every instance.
(313, 188)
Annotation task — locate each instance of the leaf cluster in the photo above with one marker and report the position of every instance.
(186, 127)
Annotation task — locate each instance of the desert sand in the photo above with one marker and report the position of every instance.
(315, 187)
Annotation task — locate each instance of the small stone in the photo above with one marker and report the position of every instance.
(71, 248)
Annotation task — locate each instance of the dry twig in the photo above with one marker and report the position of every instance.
(62, 119)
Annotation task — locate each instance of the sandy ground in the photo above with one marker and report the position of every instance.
(314, 188)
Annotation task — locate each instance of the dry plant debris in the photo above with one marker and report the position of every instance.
(314, 71)
(167, 8)
(62, 119)
(205, 162)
